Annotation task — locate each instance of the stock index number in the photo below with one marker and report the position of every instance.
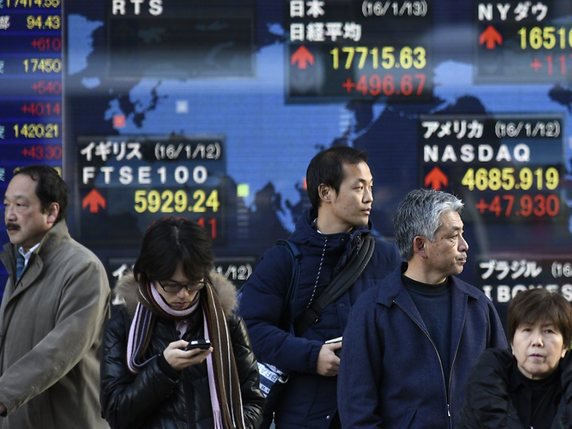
(42, 4)
(548, 38)
(42, 22)
(509, 178)
(42, 65)
(179, 201)
(37, 131)
(386, 57)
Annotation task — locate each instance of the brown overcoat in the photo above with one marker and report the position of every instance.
(51, 324)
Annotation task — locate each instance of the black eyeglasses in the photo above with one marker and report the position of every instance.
(171, 286)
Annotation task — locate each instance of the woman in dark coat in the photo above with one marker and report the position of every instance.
(148, 379)
(530, 385)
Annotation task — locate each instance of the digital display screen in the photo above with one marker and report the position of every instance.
(131, 181)
(359, 50)
(212, 110)
(31, 84)
(507, 169)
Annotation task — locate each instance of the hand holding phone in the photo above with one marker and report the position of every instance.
(198, 344)
(334, 340)
(337, 340)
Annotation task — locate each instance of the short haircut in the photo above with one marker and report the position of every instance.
(171, 240)
(419, 214)
(540, 305)
(327, 167)
(50, 187)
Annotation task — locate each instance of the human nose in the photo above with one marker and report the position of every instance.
(463, 245)
(183, 292)
(368, 195)
(9, 212)
(537, 339)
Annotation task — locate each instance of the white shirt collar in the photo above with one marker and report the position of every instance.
(27, 255)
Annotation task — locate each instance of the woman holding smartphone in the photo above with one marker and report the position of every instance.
(175, 354)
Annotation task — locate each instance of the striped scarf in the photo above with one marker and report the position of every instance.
(224, 385)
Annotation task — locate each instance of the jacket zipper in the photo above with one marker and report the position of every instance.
(448, 405)
(453, 366)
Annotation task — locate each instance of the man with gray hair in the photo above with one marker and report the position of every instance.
(411, 342)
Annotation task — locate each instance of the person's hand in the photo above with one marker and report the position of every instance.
(328, 361)
(176, 355)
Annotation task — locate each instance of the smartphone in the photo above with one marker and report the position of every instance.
(334, 340)
(338, 352)
(198, 344)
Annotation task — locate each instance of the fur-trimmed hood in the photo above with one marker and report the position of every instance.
(125, 292)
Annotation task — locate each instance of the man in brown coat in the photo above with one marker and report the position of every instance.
(52, 313)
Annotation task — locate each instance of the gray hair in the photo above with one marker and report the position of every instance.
(419, 213)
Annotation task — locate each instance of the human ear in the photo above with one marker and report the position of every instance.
(419, 244)
(324, 192)
(53, 212)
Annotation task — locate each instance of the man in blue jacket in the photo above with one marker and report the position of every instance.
(410, 343)
(339, 184)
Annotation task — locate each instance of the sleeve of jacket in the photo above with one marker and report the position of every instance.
(80, 316)
(261, 302)
(361, 370)
(128, 399)
(487, 399)
(252, 398)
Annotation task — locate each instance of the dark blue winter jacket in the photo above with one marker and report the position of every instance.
(391, 376)
(310, 399)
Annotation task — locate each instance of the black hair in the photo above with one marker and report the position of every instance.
(540, 305)
(50, 187)
(327, 168)
(170, 241)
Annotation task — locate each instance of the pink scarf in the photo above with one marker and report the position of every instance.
(224, 387)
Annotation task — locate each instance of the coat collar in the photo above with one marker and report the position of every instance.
(306, 233)
(125, 292)
(392, 292)
(392, 288)
(50, 240)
